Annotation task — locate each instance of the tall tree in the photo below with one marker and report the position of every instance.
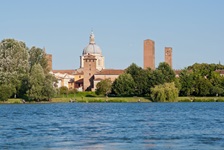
(13, 63)
(140, 77)
(187, 83)
(165, 73)
(38, 56)
(124, 85)
(36, 82)
(103, 87)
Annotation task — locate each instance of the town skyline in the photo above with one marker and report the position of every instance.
(193, 30)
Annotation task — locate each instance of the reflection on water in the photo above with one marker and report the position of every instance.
(112, 126)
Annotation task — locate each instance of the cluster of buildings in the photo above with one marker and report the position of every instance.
(92, 68)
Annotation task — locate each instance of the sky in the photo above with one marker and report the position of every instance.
(193, 28)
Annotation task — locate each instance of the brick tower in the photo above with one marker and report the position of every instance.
(89, 70)
(149, 54)
(168, 56)
(49, 61)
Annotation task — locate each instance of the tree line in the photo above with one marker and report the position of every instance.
(24, 72)
(162, 84)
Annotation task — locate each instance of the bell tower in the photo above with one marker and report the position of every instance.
(168, 56)
(149, 54)
(89, 70)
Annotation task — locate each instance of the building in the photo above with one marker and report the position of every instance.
(92, 70)
(64, 78)
(149, 54)
(89, 69)
(111, 74)
(168, 56)
(93, 49)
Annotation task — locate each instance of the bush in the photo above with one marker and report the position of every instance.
(5, 92)
(164, 92)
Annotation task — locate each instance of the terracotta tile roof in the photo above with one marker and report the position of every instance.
(110, 72)
(79, 73)
(177, 72)
(220, 71)
(64, 71)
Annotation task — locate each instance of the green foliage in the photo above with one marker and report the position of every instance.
(187, 82)
(202, 86)
(13, 63)
(141, 79)
(48, 90)
(36, 81)
(63, 90)
(124, 85)
(164, 73)
(5, 92)
(202, 80)
(72, 91)
(103, 87)
(164, 92)
(38, 56)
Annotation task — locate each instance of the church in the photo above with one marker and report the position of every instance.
(92, 66)
(92, 70)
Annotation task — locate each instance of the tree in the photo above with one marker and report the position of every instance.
(103, 87)
(203, 86)
(187, 82)
(38, 61)
(5, 91)
(38, 56)
(49, 90)
(140, 77)
(165, 72)
(36, 82)
(63, 90)
(164, 92)
(13, 63)
(124, 85)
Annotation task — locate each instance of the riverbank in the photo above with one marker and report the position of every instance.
(200, 99)
(115, 100)
(85, 100)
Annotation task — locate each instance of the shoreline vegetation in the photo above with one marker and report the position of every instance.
(111, 100)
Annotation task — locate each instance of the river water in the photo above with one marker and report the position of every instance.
(105, 126)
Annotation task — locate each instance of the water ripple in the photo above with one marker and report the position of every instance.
(112, 126)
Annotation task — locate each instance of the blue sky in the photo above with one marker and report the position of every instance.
(193, 28)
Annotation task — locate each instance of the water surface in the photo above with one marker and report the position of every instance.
(112, 126)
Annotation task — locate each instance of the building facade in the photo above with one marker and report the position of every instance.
(92, 70)
(93, 49)
(149, 54)
(89, 70)
(168, 56)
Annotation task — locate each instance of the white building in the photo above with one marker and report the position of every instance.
(94, 50)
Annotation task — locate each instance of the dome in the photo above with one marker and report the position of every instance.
(92, 48)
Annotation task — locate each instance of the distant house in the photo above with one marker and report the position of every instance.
(64, 77)
(111, 74)
(221, 72)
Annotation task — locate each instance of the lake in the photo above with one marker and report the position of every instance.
(105, 126)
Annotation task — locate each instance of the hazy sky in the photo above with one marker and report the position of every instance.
(193, 28)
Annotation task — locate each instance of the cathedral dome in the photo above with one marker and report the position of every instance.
(92, 48)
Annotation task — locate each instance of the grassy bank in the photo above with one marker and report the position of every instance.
(102, 99)
(114, 100)
(200, 99)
